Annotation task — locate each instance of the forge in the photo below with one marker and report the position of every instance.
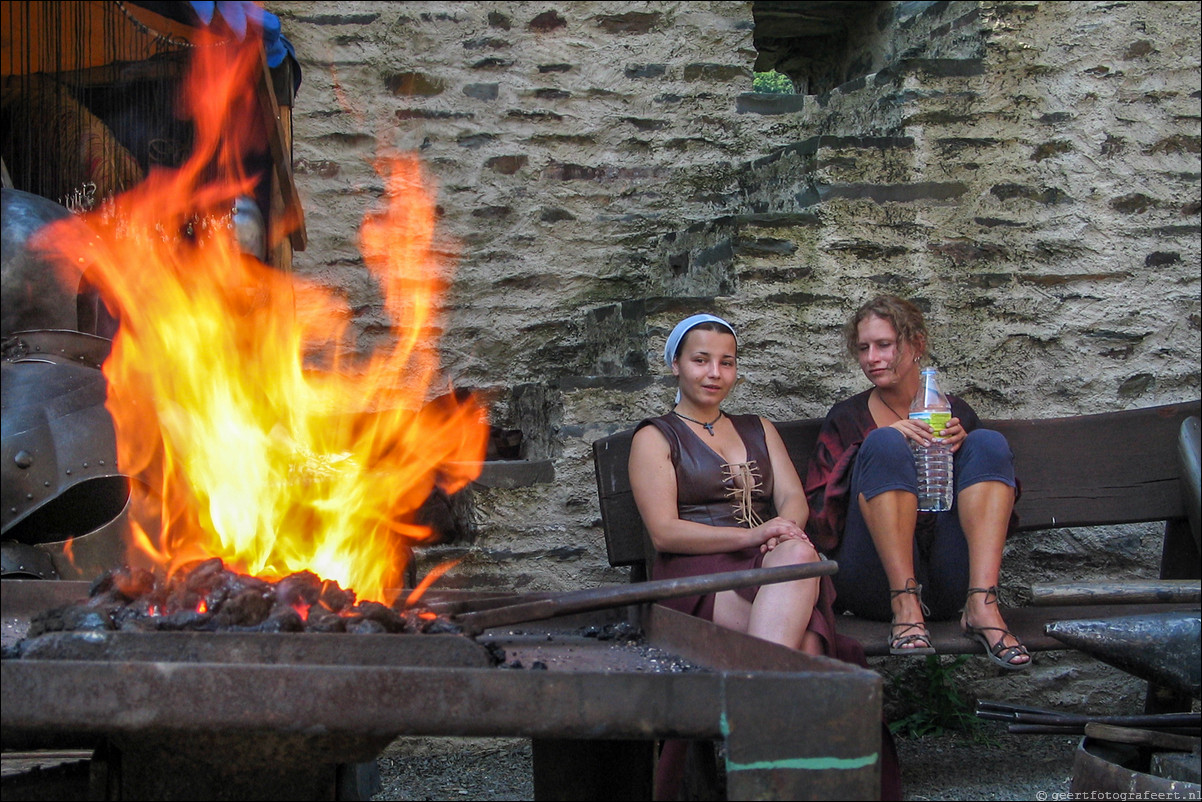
(185, 715)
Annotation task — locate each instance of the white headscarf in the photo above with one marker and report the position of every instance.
(683, 328)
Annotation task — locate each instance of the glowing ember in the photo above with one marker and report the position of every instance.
(253, 454)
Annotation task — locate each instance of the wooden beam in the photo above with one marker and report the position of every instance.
(279, 140)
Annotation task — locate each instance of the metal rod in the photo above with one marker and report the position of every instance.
(1000, 711)
(1010, 708)
(456, 607)
(1162, 720)
(1151, 591)
(1064, 729)
(583, 601)
(1043, 729)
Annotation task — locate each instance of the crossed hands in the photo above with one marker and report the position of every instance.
(778, 530)
(920, 432)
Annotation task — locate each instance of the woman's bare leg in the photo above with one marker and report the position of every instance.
(891, 517)
(781, 611)
(731, 610)
(985, 517)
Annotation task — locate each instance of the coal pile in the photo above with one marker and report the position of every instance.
(205, 596)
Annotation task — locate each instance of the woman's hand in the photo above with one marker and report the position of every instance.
(920, 432)
(778, 530)
(954, 434)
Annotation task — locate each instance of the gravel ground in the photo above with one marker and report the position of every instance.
(994, 765)
(456, 768)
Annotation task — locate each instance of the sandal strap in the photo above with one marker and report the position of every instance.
(994, 592)
(899, 639)
(1008, 653)
(906, 640)
(999, 648)
(912, 587)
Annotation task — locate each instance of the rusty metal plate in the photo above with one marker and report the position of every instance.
(1101, 767)
(270, 648)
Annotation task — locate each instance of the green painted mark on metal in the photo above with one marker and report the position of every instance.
(807, 763)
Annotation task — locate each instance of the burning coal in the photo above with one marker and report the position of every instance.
(207, 597)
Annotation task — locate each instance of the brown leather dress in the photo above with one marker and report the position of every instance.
(710, 491)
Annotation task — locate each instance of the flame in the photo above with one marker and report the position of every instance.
(428, 580)
(268, 441)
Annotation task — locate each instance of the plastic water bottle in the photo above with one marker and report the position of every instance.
(934, 462)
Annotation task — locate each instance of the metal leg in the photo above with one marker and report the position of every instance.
(592, 770)
(805, 740)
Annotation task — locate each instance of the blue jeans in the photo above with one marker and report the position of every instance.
(885, 462)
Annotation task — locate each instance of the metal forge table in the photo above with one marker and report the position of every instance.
(239, 716)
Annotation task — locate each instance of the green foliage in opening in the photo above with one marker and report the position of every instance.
(773, 82)
(932, 697)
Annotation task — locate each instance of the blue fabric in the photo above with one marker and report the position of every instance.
(886, 463)
(239, 16)
(682, 328)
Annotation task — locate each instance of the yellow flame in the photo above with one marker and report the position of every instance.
(269, 442)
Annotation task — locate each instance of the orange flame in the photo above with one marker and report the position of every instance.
(267, 440)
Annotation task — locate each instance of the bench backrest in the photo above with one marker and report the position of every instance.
(1086, 470)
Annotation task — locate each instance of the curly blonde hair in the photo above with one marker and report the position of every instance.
(903, 315)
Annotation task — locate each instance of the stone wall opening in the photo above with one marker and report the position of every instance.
(822, 45)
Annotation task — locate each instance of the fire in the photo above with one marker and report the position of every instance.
(266, 439)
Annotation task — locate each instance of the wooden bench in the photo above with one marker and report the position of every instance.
(1089, 470)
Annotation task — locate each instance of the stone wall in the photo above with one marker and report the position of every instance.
(1029, 172)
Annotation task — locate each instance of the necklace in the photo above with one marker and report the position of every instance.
(709, 427)
(881, 398)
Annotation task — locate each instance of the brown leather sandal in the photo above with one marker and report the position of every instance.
(918, 642)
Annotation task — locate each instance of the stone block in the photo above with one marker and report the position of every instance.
(637, 71)
(500, 474)
(766, 103)
(716, 73)
(506, 165)
(547, 21)
(481, 91)
(414, 84)
(632, 22)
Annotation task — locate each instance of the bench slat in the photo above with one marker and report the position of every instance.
(1093, 470)
(624, 532)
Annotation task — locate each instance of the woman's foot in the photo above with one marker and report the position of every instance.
(983, 622)
(908, 633)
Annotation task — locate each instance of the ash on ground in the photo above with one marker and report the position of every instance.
(577, 650)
